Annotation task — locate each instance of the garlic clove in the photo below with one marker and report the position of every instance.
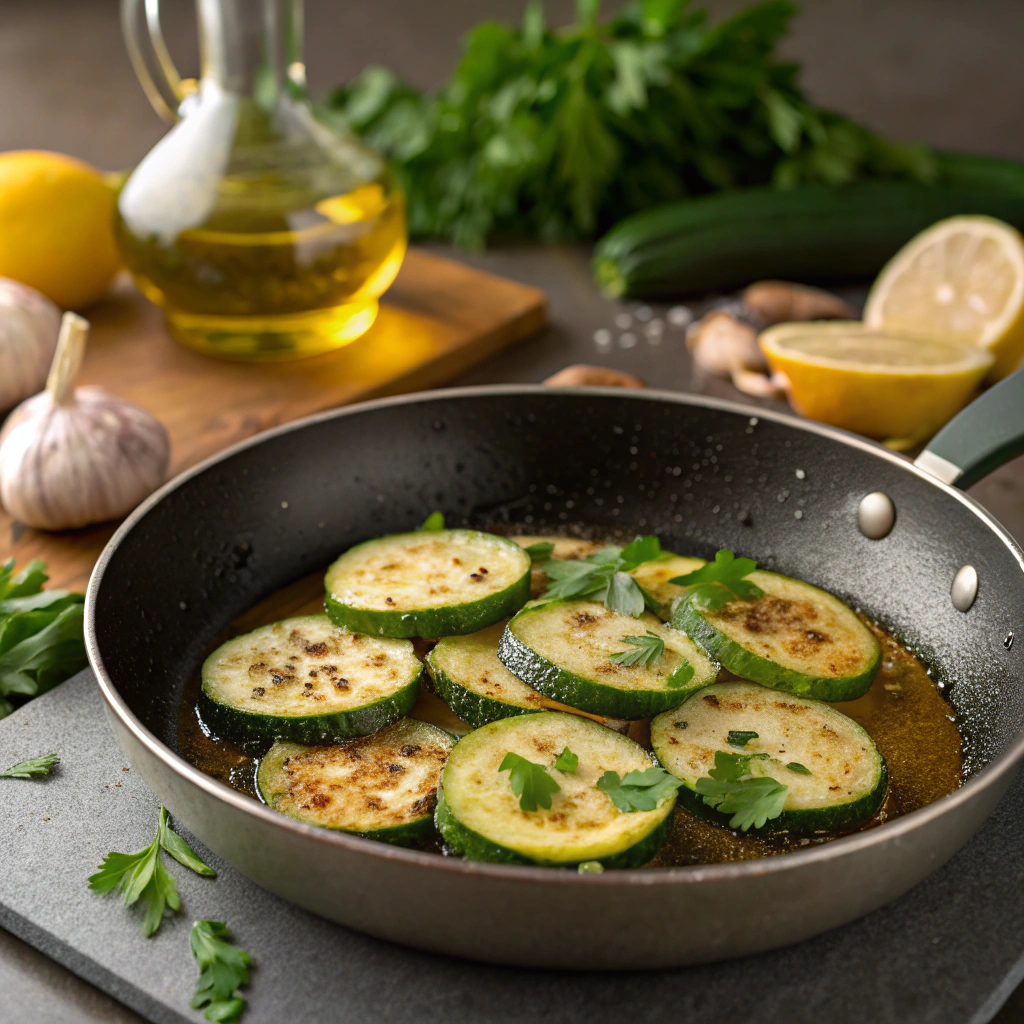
(71, 457)
(776, 302)
(584, 375)
(722, 343)
(29, 322)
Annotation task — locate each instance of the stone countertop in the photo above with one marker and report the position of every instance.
(72, 90)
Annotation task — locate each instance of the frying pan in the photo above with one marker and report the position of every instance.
(701, 474)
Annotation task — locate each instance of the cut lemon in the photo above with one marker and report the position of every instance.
(893, 387)
(960, 280)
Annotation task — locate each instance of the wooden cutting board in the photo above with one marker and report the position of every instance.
(438, 319)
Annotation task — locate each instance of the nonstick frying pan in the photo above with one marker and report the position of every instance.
(888, 536)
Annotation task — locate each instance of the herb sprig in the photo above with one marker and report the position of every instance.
(142, 878)
(567, 761)
(41, 642)
(646, 650)
(530, 782)
(733, 788)
(716, 583)
(31, 768)
(557, 134)
(223, 969)
(638, 790)
(433, 522)
(603, 577)
(540, 551)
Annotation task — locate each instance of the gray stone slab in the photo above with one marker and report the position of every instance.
(950, 951)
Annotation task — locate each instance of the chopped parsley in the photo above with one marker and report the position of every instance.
(433, 522)
(639, 790)
(567, 761)
(32, 768)
(142, 878)
(734, 789)
(740, 737)
(223, 968)
(719, 582)
(646, 650)
(541, 551)
(529, 781)
(796, 766)
(603, 577)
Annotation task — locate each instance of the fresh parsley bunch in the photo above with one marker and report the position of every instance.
(719, 582)
(557, 134)
(41, 642)
(223, 967)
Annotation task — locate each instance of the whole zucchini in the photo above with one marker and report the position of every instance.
(811, 233)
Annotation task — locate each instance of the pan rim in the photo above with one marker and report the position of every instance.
(989, 776)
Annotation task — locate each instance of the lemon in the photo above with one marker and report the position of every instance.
(961, 280)
(56, 226)
(882, 384)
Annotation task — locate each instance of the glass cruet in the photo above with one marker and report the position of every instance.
(261, 231)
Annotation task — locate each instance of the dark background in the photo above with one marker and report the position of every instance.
(948, 72)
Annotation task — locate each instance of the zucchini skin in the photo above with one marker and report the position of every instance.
(309, 730)
(747, 665)
(584, 694)
(430, 623)
(471, 707)
(811, 233)
(474, 846)
(830, 819)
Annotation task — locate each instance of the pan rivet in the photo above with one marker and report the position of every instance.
(876, 515)
(965, 587)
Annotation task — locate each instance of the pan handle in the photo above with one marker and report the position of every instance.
(988, 433)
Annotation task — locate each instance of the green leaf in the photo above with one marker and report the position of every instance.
(784, 121)
(29, 581)
(530, 782)
(740, 737)
(32, 768)
(433, 522)
(647, 650)
(796, 766)
(534, 25)
(541, 551)
(640, 550)
(639, 790)
(716, 583)
(625, 596)
(179, 849)
(223, 969)
(567, 761)
(733, 789)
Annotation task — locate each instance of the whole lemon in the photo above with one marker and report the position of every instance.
(56, 226)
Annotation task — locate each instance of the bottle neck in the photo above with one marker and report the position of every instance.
(253, 48)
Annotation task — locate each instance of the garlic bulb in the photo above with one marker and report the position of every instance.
(29, 322)
(74, 456)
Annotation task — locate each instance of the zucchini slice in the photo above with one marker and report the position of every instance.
(796, 638)
(839, 779)
(654, 578)
(428, 584)
(479, 815)
(382, 786)
(564, 649)
(471, 680)
(307, 680)
(565, 548)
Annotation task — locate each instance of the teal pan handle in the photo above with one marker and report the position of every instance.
(988, 433)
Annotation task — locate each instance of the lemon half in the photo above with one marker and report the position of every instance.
(882, 384)
(960, 280)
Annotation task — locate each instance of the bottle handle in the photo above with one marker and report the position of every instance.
(164, 87)
(987, 434)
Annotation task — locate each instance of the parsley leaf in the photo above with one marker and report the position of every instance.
(223, 968)
(41, 641)
(733, 789)
(719, 582)
(639, 790)
(567, 761)
(31, 768)
(530, 782)
(142, 878)
(541, 551)
(740, 737)
(796, 766)
(646, 650)
(603, 577)
(433, 522)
